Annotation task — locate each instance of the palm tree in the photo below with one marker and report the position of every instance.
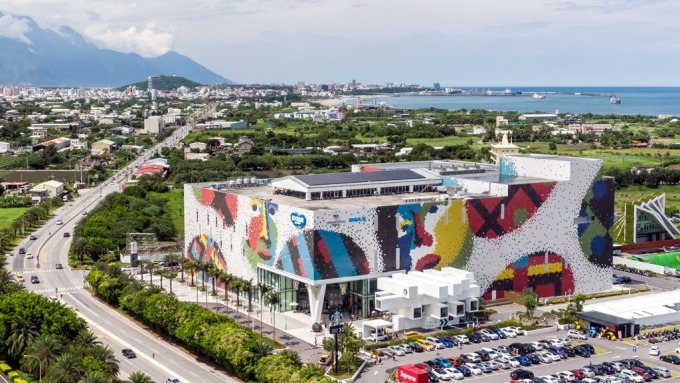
(46, 349)
(171, 275)
(68, 368)
(293, 356)
(6, 280)
(227, 279)
(171, 259)
(138, 377)
(151, 266)
(193, 266)
(215, 273)
(264, 290)
(203, 268)
(237, 284)
(183, 262)
(87, 338)
(273, 301)
(94, 377)
(248, 286)
(262, 349)
(23, 332)
(106, 355)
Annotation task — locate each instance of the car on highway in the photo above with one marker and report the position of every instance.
(32, 237)
(60, 222)
(173, 380)
(59, 266)
(575, 334)
(22, 251)
(29, 255)
(67, 234)
(35, 279)
(673, 359)
(19, 278)
(128, 353)
(85, 212)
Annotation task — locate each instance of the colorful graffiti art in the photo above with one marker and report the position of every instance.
(262, 233)
(326, 253)
(205, 249)
(595, 232)
(494, 217)
(226, 205)
(547, 273)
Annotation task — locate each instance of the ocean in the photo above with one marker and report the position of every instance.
(648, 101)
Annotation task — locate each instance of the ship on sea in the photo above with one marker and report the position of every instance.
(537, 96)
(614, 100)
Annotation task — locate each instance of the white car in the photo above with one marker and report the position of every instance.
(537, 345)
(473, 356)
(587, 372)
(29, 255)
(557, 342)
(462, 339)
(632, 376)
(440, 373)
(517, 330)
(378, 337)
(492, 335)
(60, 222)
(544, 357)
(555, 357)
(494, 365)
(575, 334)
(508, 332)
(655, 351)
(397, 350)
(492, 353)
(435, 342)
(567, 374)
(550, 379)
(474, 368)
(454, 374)
(510, 361)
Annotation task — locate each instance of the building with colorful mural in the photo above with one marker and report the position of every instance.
(322, 240)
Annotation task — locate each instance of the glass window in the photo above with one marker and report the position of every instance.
(443, 312)
(417, 312)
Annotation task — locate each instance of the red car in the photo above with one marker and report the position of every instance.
(455, 361)
(578, 374)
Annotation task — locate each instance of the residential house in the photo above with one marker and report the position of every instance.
(46, 190)
(103, 146)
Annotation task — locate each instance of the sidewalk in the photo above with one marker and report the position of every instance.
(292, 328)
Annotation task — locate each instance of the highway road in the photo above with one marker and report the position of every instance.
(156, 358)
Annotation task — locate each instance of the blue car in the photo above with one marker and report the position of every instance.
(447, 342)
(441, 362)
(464, 370)
(501, 334)
(523, 361)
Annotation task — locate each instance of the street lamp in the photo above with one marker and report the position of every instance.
(40, 365)
(293, 306)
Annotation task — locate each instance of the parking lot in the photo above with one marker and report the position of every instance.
(606, 351)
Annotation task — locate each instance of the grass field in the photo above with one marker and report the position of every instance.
(667, 259)
(10, 214)
(175, 206)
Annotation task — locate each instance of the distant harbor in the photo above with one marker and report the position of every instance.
(648, 101)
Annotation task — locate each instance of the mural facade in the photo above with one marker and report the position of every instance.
(552, 236)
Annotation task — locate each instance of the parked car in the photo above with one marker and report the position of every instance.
(575, 334)
(471, 357)
(447, 342)
(663, 372)
(463, 339)
(456, 361)
(397, 350)
(435, 342)
(464, 370)
(632, 376)
(523, 360)
(442, 362)
(498, 332)
(128, 353)
(521, 374)
(533, 358)
(425, 345)
(474, 338)
(416, 347)
(454, 373)
(489, 333)
(673, 359)
(378, 337)
(582, 351)
(590, 348)
(474, 368)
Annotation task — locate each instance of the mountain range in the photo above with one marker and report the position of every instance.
(63, 58)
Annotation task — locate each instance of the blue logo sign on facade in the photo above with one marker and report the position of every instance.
(357, 219)
(298, 220)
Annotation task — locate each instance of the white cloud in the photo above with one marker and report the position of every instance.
(14, 28)
(145, 41)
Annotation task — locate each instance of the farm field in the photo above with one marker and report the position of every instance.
(10, 214)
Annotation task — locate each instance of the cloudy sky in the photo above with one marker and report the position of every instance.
(454, 42)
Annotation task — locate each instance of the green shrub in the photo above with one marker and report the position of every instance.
(4, 367)
(19, 380)
(13, 374)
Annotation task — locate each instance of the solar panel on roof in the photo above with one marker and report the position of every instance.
(360, 177)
